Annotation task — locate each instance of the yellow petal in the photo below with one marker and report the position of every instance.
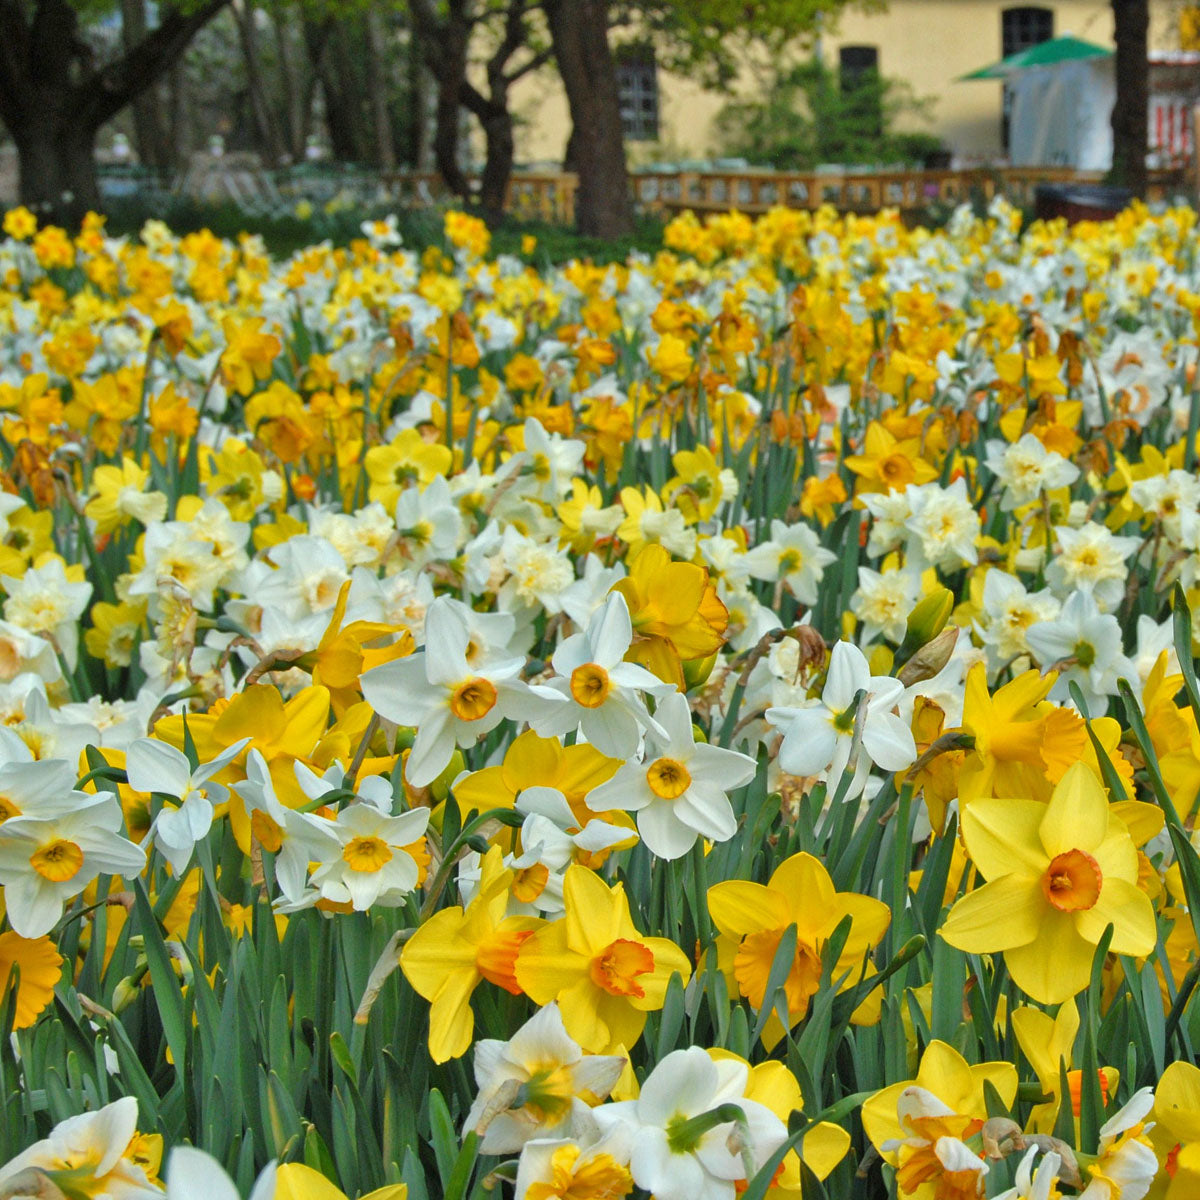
(946, 1074)
(547, 965)
(1002, 837)
(596, 914)
(739, 908)
(436, 950)
(1128, 910)
(1077, 815)
(668, 960)
(879, 1116)
(1177, 1101)
(1002, 914)
(1055, 967)
(824, 1146)
(295, 1181)
(1144, 821)
(1035, 1033)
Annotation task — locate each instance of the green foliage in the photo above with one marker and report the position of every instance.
(807, 117)
(285, 232)
(708, 39)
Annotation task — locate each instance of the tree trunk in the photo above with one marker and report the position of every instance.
(1130, 115)
(182, 141)
(579, 32)
(260, 108)
(377, 89)
(497, 169)
(450, 69)
(293, 93)
(53, 98)
(150, 137)
(57, 165)
(416, 150)
(327, 53)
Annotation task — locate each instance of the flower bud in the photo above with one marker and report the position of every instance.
(697, 670)
(930, 658)
(926, 621)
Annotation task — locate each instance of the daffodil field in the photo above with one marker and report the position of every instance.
(721, 726)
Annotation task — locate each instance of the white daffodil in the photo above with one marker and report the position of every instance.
(372, 865)
(154, 767)
(1030, 1184)
(29, 787)
(679, 790)
(595, 690)
(794, 554)
(1171, 499)
(551, 840)
(890, 512)
(294, 839)
(819, 739)
(83, 1156)
(372, 789)
(537, 1084)
(428, 523)
(547, 464)
(915, 1108)
(1084, 646)
(46, 861)
(1091, 559)
(22, 651)
(1010, 610)
(454, 690)
(1126, 1164)
(1152, 640)
(588, 594)
(592, 1168)
(194, 1175)
(883, 601)
(44, 601)
(538, 574)
(1026, 469)
(944, 525)
(680, 1150)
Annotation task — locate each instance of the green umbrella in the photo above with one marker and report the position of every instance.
(1044, 54)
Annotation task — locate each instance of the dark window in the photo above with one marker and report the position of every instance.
(855, 63)
(1021, 28)
(858, 76)
(637, 86)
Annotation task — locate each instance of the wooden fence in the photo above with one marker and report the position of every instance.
(551, 196)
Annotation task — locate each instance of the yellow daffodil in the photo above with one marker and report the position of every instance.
(675, 611)
(605, 975)
(753, 917)
(1058, 874)
(945, 1074)
(295, 1181)
(456, 949)
(39, 965)
(1047, 1042)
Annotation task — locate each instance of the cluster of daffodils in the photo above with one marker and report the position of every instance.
(740, 702)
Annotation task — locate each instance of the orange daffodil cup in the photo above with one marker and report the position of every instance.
(1058, 875)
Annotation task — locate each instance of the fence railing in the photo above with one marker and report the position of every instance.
(550, 196)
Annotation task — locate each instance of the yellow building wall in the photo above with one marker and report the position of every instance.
(926, 43)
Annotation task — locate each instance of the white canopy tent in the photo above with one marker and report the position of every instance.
(1061, 115)
(1061, 97)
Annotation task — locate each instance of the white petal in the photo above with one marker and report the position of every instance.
(808, 743)
(153, 766)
